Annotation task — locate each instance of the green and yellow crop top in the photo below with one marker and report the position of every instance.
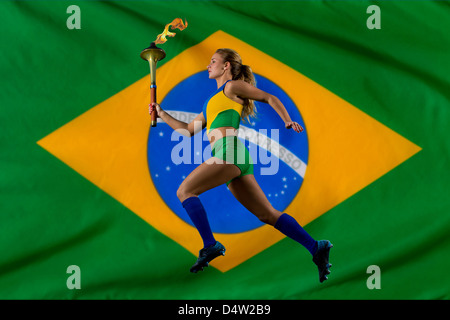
(221, 111)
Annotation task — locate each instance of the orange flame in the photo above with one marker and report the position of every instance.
(175, 24)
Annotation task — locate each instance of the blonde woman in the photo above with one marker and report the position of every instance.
(231, 162)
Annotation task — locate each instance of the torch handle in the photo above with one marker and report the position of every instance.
(153, 100)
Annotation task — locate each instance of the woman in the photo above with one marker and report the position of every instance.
(221, 116)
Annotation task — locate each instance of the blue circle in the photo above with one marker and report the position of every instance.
(225, 213)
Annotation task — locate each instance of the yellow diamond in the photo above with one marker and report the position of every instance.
(348, 149)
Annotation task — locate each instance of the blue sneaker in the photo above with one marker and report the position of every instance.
(206, 255)
(321, 258)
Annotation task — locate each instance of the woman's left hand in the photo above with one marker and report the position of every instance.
(294, 125)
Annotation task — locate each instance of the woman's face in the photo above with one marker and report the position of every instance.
(216, 67)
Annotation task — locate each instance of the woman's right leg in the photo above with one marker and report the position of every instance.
(247, 191)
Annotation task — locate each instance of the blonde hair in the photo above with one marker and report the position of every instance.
(240, 71)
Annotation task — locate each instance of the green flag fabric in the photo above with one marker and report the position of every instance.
(79, 220)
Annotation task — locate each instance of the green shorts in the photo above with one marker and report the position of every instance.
(230, 149)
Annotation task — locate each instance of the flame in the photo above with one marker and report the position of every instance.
(176, 23)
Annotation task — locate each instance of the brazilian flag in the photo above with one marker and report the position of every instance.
(88, 188)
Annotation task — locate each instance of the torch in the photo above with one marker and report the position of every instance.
(153, 54)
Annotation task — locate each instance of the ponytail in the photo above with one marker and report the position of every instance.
(243, 72)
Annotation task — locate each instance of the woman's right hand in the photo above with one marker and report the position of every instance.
(154, 106)
(294, 125)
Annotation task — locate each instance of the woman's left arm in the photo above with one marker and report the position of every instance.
(244, 90)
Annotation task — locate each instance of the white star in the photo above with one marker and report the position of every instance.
(161, 133)
(156, 175)
(269, 195)
(167, 168)
(285, 186)
(282, 191)
(284, 179)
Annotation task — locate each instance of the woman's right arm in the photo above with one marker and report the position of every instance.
(186, 129)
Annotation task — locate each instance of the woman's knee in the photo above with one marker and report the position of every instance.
(269, 216)
(183, 193)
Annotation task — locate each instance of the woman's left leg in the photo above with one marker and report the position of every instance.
(210, 174)
(206, 176)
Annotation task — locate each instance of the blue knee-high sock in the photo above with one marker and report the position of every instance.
(290, 227)
(197, 213)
